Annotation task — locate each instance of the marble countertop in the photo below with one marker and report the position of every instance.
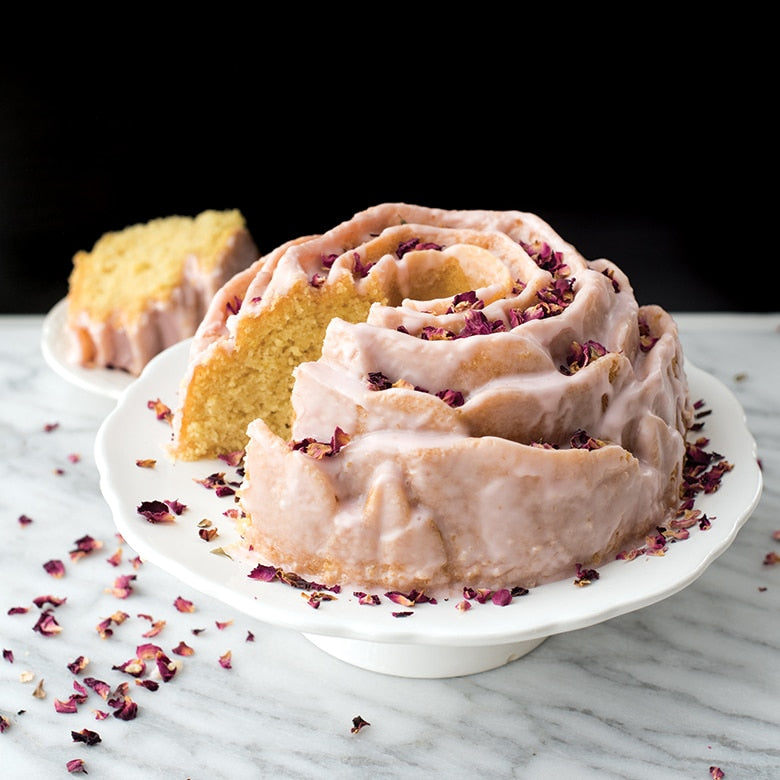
(668, 691)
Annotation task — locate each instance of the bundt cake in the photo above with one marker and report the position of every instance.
(144, 288)
(431, 399)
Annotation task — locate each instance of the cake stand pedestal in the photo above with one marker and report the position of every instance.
(422, 660)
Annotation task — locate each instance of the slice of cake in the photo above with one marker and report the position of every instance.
(144, 288)
(432, 399)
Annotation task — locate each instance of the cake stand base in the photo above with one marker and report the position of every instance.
(422, 660)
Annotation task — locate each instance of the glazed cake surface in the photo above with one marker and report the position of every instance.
(440, 399)
(141, 289)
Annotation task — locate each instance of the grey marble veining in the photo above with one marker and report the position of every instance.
(664, 692)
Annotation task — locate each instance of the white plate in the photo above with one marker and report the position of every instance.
(54, 345)
(437, 640)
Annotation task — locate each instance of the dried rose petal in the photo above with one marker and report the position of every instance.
(146, 463)
(47, 624)
(150, 685)
(68, 707)
(147, 651)
(116, 558)
(78, 665)
(166, 667)
(84, 546)
(183, 605)
(18, 610)
(162, 410)
(501, 597)
(101, 688)
(223, 624)
(55, 601)
(263, 573)
(76, 766)
(717, 773)
(155, 511)
(225, 660)
(463, 605)
(585, 576)
(358, 723)
(124, 708)
(402, 614)
(4, 723)
(49, 427)
(250, 637)
(54, 567)
(233, 458)
(24, 520)
(157, 626)
(183, 649)
(122, 587)
(366, 598)
(86, 736)
(8, 655)
(135, 667)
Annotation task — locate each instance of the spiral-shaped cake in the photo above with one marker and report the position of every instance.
(433, 399)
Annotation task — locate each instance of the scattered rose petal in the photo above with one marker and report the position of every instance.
(49, 427)
(122, 587)
(78, 665)
(4, 723)
(8, 655)
(76, 766)
(39, 692)
(54, 567)
(358, 723)
(716, 773)
(183, 605)
(116, 558)
(84, 546)
(166, 667)
(101, 688)
(155, 511)
(47, 624)
(86, 736)
(24, 520)
(183, 649)
(135, 667)
(160, 409)
(221, 625)
(225, 660)
(124, 708)
(55, 601)
(146, 463)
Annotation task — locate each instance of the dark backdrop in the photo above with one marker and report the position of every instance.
(657, 190)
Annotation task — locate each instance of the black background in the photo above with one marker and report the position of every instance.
(666, 186)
